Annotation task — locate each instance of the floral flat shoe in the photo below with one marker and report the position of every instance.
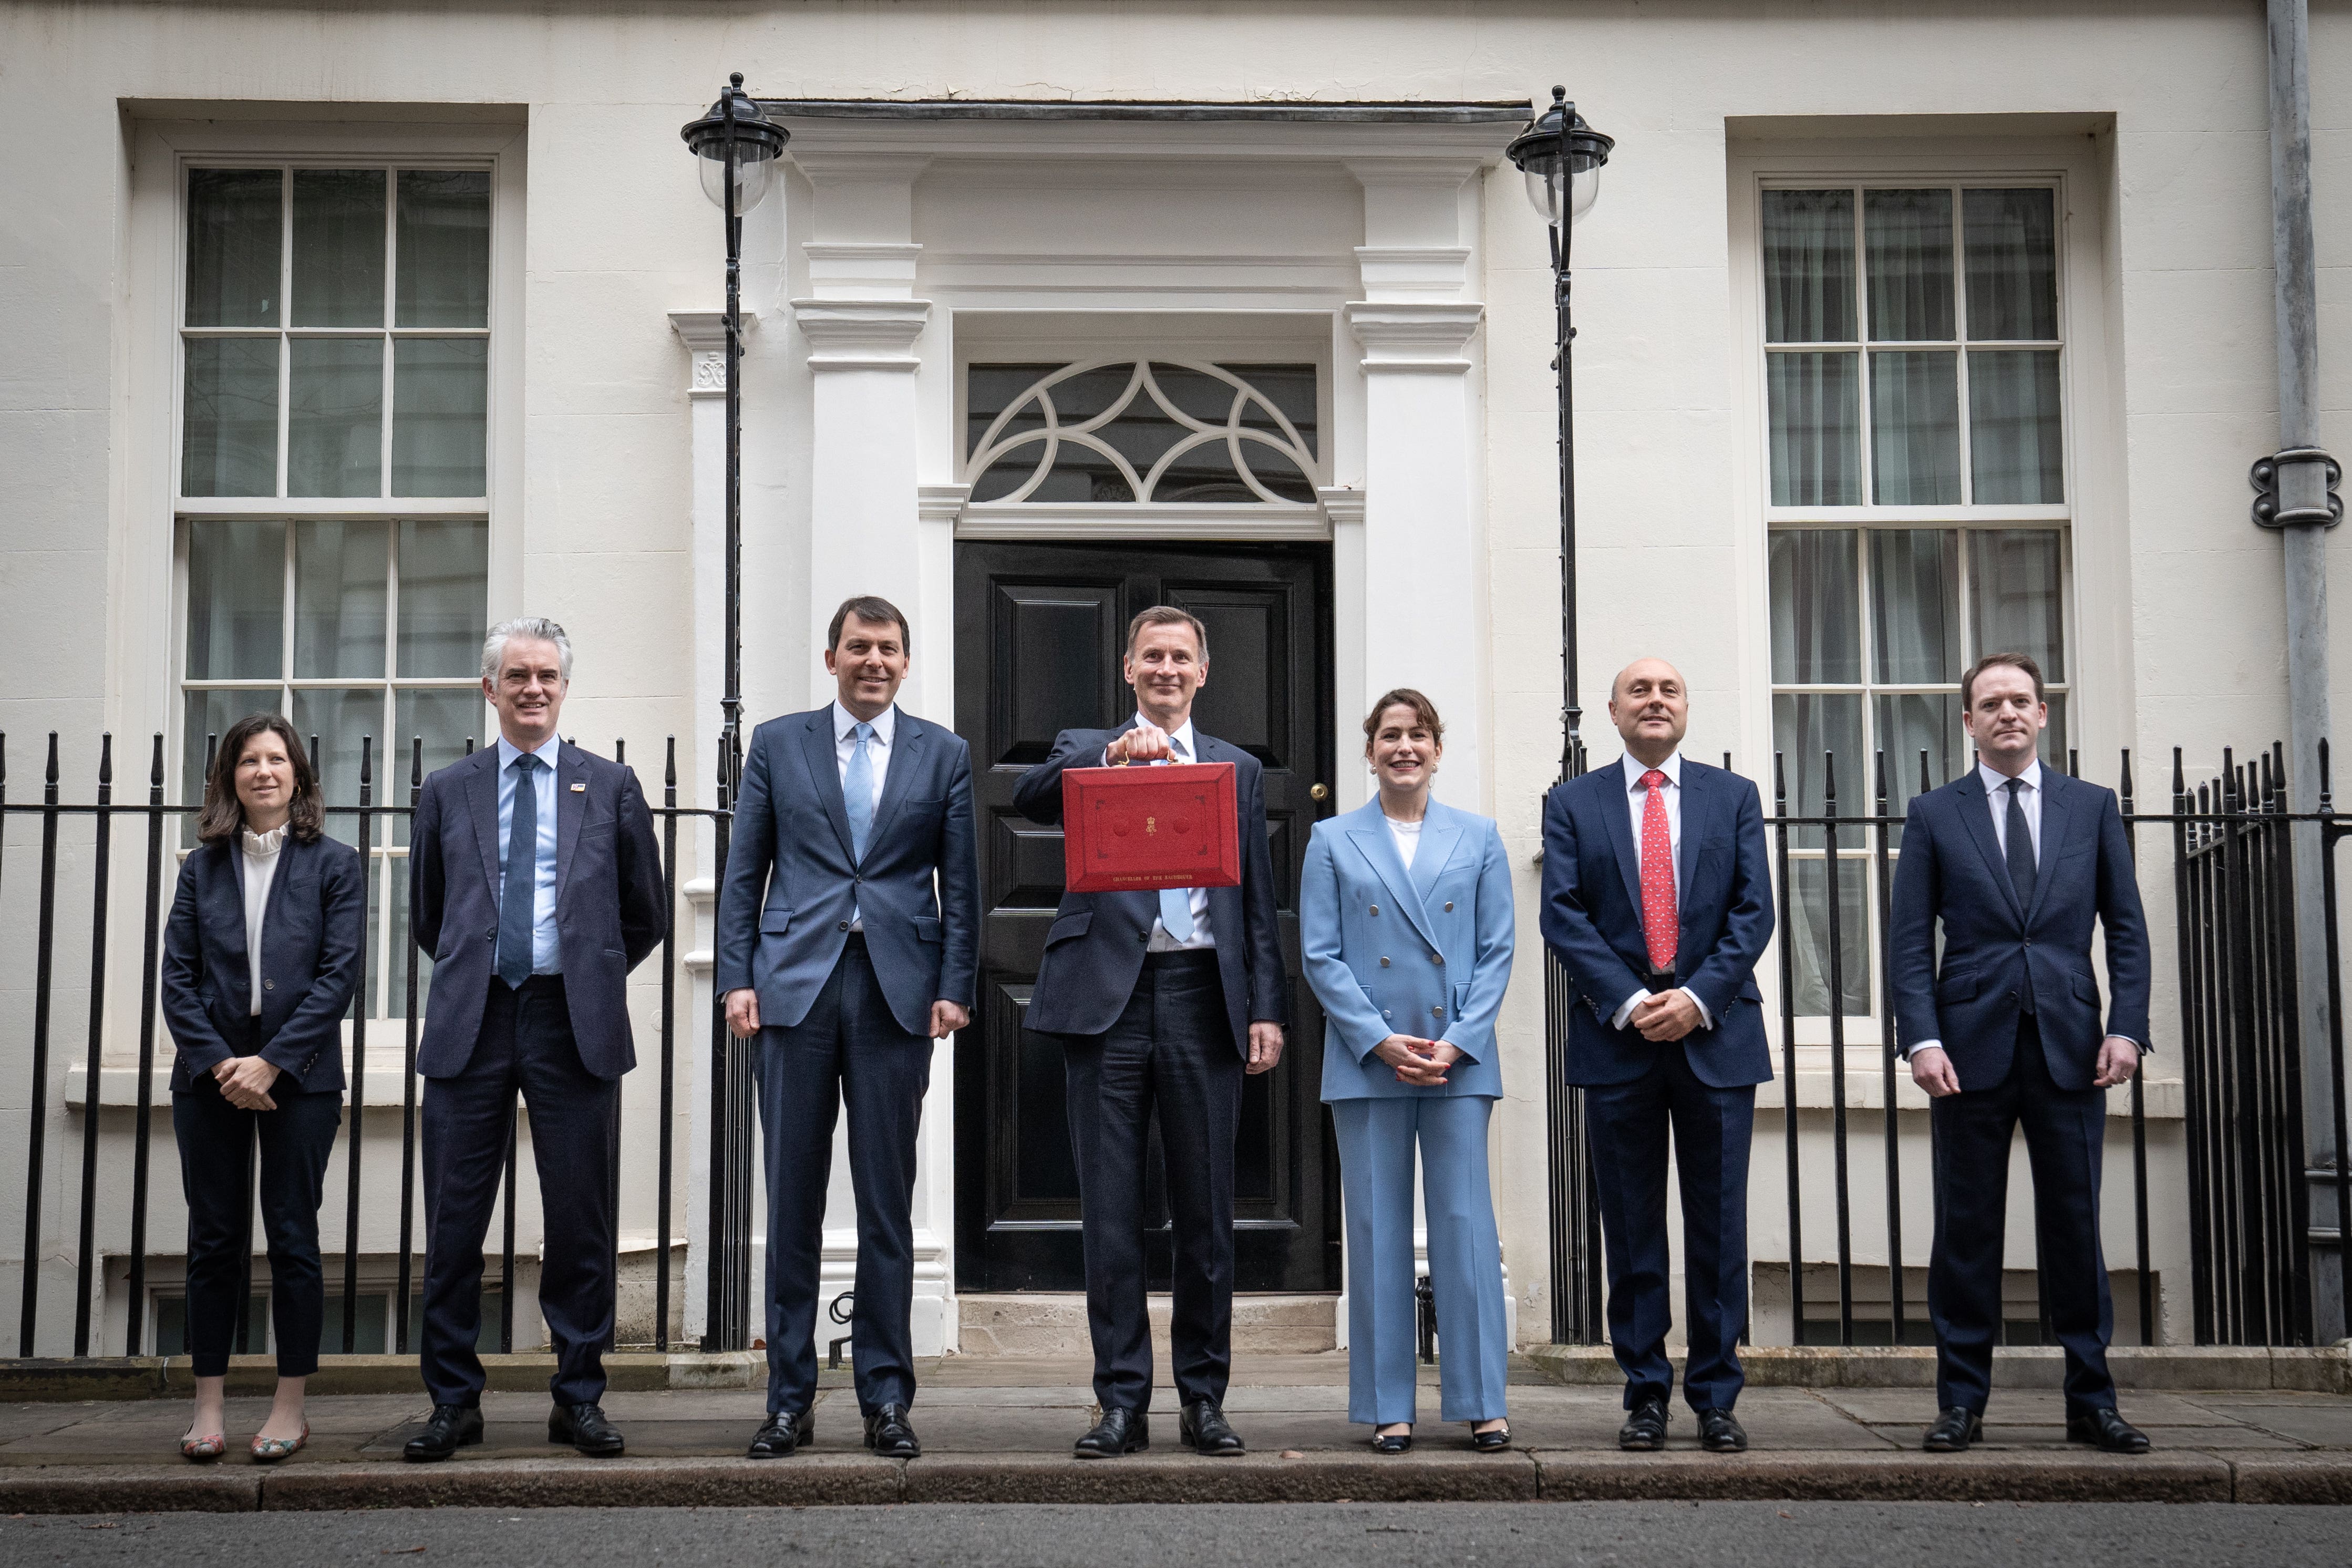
(269, 1450)
(203, 1450)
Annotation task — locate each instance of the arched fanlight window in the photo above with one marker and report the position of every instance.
(1121, 431)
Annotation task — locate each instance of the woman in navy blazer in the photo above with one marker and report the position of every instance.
(260, 961)
(1405, 926)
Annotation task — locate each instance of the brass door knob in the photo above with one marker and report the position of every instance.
(1318, 792)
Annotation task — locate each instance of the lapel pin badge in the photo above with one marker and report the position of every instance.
(579, 789)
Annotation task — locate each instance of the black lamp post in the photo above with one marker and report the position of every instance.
(737, 147)
(1561, 157)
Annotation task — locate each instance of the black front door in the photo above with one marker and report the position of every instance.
(1039, 634)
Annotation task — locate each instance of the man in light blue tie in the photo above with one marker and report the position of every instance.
(1160, 1003)
(848, 944)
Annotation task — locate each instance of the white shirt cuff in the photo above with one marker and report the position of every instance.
(1917, 1046)
(1617, 1020)
(1706, 1018)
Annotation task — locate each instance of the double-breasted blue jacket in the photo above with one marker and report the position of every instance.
(1426, 952)
(311, 936)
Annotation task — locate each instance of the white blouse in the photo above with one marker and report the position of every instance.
(260, 870)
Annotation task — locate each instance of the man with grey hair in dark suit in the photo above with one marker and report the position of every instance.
(535, 882)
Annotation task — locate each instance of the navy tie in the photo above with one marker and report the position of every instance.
(519, 885)
(2021, 870)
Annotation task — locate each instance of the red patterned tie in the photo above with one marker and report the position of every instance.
(1658, 875)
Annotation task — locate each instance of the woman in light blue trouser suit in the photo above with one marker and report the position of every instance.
(1405, 922)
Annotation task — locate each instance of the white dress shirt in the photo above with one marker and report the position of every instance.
(1181, 741)
(546, 953)
(260, 870)
(878, 759)
(1637, 801)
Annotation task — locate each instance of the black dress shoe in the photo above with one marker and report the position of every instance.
(1119, 1432)
(785, 1431)
(889, 1434)
(449, 1429)
(1393, 1443)
(1645, 1429)
(1719, 1432)
(584, 1427)
(2109, 1431)
(1203, 1427)
(1493, 1442)
(1954, 1430)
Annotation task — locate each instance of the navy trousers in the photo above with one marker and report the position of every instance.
(849, 1050)
(2066, 1138)
(1173, 1048)
(217, 1142)
(526, 1046)
(1711, 1128)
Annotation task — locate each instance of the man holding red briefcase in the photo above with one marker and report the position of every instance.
(1160, 998)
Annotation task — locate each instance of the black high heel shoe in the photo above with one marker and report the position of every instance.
(1394, 1443)
(1493, 1442)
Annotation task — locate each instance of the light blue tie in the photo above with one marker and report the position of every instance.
(1176, 903)
(858, 787)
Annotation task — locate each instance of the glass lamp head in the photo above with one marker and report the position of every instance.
(1562, 156)
(735, 137)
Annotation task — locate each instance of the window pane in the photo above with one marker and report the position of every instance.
(339, 599)
(1910, 724)
(404, 952)
(2012, 257)
(444, 721)
(440, 403)
(339, 719)
(1915, 428)
(1816, 415)
(236, 227)
(2014, 582)
(1808, 914)
(2014, 435)
(1809, 267)
(338, 248)
(205, 716)
(2052, 749)
(334, 432)
(445, 250)
(1290, 388)
(1908, 242)
(1915, 612)
(443, 589)
(229, 421)
(236, 601)
(1809, 729)
(1816, 609)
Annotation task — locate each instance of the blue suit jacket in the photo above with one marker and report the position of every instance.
(792, 882)
(609, 912)
(1094, 950)
(1389, 952)
(1952, 870)
(1592, 918)
(310, 937)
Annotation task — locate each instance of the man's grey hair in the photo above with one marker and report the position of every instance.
(538, 628)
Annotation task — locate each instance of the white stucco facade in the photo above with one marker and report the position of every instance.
(1399, 258)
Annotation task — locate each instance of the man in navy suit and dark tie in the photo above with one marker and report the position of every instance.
(536, 884)
(848, 942)
(2016, 862)
(1160, 1001)
(1658, 902)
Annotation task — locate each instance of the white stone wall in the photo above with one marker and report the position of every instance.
(2162, 117)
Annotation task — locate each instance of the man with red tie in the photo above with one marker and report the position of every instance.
(1658, 902)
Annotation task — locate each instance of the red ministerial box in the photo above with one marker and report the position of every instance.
(1138, 829)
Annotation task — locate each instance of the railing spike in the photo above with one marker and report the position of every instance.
(367, 762)
(621, 751)
(2124, 779)
(2073, 762)
(469, 745)
(105, 759)
(669, 765)
(51, 778)
(415, 761)
(155, 763)
(2327, 785)
(1924, 785)
(1780, 784)
(1829, 784)
(2180, 777)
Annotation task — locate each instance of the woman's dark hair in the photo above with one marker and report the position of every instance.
(224, 813)
(1404, 696)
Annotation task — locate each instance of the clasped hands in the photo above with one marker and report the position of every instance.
(743, 1015)
(245, 1081)
(1664, 1017)
(1419, 1062)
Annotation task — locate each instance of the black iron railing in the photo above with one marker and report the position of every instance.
(159, 818)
